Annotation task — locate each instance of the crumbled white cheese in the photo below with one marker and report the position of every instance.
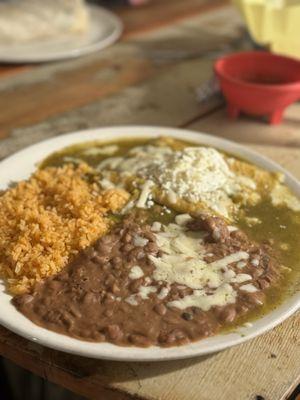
(232, 228)
(136, 272)
(195, 174)
(249, 288)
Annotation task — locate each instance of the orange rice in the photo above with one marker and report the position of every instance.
(49, 218)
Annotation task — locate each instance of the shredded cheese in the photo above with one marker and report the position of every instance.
(182, 262)
(105, 150)
(222, 296)
(249, 287)
(145, 193)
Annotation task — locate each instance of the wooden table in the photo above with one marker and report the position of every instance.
(151, 77)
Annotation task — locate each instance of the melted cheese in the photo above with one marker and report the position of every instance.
(220, 297)
(143, 293)
(232, 258)
(145, 193)
(105, 150)
(182, 262)
(249, 288)
(240, 278)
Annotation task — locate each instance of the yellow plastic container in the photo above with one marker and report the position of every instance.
(273, 23)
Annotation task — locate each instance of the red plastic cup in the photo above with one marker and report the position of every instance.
(258, 83)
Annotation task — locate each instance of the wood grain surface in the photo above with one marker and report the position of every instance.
(268, 366)
(125, 84)
(152, 77)
(253, 130)
(159, 13)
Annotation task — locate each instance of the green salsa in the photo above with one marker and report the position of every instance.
(278, 223)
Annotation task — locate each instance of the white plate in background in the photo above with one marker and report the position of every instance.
(22, 164)
(104, 29)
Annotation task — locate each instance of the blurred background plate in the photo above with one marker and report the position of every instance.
(105, 28)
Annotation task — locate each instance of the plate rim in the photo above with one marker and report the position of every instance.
(112, 352)
(89, 48)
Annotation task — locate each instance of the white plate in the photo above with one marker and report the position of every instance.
(21, 164)
(104, 29)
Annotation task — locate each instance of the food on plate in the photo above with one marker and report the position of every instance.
(149, 285)
(180, 242)
(23, 21)
(46, 220)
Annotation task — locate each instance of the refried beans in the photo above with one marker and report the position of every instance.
(108, 293)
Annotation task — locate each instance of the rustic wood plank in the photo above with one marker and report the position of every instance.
(32, 103)
(156, 102)
(253, 130)
(273, 359)
(160, 13)
(124, 84)
(9, 70)
(268, 365)
(140, 19)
